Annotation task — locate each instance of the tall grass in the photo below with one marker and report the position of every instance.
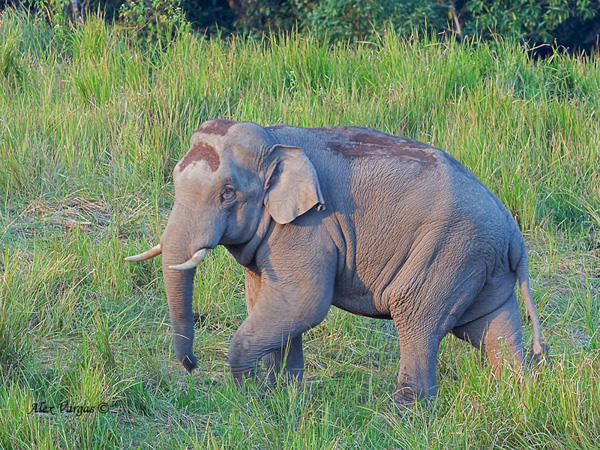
(91, 125)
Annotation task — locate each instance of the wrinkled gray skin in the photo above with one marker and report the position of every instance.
(377, 225)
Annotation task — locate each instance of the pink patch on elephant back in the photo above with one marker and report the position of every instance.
(217, 126)
(201, 151)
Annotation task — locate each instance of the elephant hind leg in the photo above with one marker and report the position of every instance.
(499, 334)
(416, 377)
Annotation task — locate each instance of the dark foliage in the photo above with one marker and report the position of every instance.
(572, 24)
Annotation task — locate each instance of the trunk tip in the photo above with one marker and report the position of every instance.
(190, 362)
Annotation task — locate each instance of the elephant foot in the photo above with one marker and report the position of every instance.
(406, 400)
(410, 392)
(405, 397)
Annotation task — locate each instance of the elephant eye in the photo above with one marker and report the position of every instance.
(228, 194)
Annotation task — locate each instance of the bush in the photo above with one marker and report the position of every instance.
(158, 20)
(572, 23)
(352, 20)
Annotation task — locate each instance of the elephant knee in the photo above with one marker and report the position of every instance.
(242, 358)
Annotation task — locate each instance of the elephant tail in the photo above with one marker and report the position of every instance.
(520, 265)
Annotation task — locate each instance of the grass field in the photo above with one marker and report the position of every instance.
(91, 125)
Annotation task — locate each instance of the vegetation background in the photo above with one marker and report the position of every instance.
(572, 24)
(93, 117)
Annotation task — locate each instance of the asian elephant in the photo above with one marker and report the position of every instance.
(375, 224)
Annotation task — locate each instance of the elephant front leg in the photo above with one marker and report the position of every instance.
(274, 327)
(290, 293)
(290, 357)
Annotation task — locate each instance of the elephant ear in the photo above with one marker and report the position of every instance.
(292, 185)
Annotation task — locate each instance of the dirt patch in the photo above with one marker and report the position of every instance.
(80, 214)
(69, 215)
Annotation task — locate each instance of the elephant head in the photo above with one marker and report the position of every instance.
(231, 184)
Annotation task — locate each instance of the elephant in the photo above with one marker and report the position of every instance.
(378, 225)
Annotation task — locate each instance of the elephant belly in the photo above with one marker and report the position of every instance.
(362, 305)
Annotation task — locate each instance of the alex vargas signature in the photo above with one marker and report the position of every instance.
(67, 407)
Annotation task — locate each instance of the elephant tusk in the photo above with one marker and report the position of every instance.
(154, 251)
(193, 261)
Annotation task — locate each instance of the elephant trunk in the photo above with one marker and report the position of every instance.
(179, 286)
(184, 243)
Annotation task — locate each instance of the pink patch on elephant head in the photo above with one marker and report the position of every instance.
(201, 151)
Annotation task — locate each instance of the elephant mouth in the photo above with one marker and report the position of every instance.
(193, 261)
(157, 250)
